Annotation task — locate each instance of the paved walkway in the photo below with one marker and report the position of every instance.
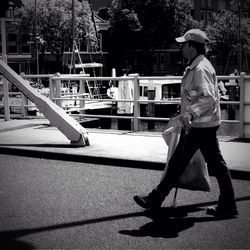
(43, 200)
(140, 149)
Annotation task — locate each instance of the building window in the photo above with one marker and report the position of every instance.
(155, 59)
(12, 37)
(222, 5)
(25, 44)
(12, 43)
(25, 49)
(163, 58)
(203, 3)
(245, 14)
(209, 17)
(12, 49)
(202, 15)
(175, 57)
(209, 3)
(192, 12)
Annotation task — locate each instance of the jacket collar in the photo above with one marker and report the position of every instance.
(196, 61)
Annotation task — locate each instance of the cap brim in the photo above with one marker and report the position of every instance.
(180, 39)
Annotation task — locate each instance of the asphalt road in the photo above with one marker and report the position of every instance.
(56, 204)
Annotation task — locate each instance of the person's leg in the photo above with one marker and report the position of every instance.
(217, 166)
(184, 151)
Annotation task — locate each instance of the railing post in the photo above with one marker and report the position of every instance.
(241, 115)
(81, 92)
(151, 106)
(6, 99)
(136, 103)
(24, 106)
(246, 107)
(58, 91)
(24, 102)
(51, 88)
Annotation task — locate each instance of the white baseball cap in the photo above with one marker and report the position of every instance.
(195, 35)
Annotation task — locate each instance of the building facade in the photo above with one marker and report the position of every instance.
(22, 52)
(21, 56)
(18, 49)
(203, 10)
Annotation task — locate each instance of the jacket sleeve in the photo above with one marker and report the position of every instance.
(202, 95)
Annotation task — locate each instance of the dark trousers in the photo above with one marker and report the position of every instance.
(206, 140)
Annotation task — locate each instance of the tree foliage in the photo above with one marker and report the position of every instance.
(52, 23)
(124, 25)
(159, 21)
(147, 25)
(183, 19)
(224, 35)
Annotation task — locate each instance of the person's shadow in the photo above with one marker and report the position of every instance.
(168, 222)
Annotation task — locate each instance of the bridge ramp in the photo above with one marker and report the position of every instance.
(77, 134)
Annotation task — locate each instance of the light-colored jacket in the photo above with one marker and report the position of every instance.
(200, 94)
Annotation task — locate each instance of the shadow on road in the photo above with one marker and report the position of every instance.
(166, 227)
(41, 145)
(167, 222)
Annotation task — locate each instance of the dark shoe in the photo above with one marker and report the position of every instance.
(225, 212)
(149, 201)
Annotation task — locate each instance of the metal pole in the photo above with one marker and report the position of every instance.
(239, 36)
(73, 36)
(36, 41)
(151, 106)
(58, 85)
(136, 103)
(24, 101)
(5, 82)
(51, 88)
(242, 102)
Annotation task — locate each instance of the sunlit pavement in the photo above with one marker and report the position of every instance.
(119, 147)
(55, 196)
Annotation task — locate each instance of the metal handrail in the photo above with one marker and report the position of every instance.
(137, 101)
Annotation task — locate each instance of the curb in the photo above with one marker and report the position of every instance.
(118, 162)
(83, 158)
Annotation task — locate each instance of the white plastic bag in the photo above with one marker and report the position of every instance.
(195, 175)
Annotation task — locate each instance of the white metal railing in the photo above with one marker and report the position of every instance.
(55, 94)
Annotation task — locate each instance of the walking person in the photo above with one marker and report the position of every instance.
(200, 116)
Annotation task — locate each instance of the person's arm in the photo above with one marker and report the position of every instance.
(202, 97)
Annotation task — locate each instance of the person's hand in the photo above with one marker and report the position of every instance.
(186, 122)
